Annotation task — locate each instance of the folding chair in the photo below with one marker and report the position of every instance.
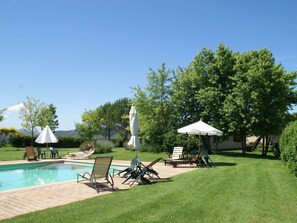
(100, 171)
(141, 170)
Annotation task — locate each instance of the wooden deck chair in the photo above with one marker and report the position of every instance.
(142, 170)
(29, 152)
(100, 171)
(176, 155)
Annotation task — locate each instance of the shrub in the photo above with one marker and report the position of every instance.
(126, 146)
(172, 139)
(68, 142)
(145, 147)
(288, 147)
(87, 145)
(104, 146)
(169, 140)
(118, 140)
(20, 140)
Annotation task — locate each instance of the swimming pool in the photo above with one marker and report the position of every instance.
(33, 174)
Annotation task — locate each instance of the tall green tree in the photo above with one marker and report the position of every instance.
(1, 114)
(105, 120)
(274, 96)
(200, 91)
(121, 108)
(153, 105)
(184, 90)
(90, 126)
(234, 92)
(29, 113)
(48, 117)
(217, 83)
(108, 122)
(261, 96)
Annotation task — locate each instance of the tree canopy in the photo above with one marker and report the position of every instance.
(106, 120)
(241, 93)
(29, 113)
(48, 117)
(1, 114)
(153, 105)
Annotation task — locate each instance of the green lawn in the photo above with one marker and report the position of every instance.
(12, 153)
(235, 189)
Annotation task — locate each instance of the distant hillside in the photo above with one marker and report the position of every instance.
(27, 132)
(66, 133)
(57, 133)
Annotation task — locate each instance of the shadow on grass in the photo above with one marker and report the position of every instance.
(162, 180)
(143, 182)
(247, 155)
(154, 181)
(223, 164)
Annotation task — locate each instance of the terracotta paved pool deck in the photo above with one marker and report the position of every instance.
(30, 199)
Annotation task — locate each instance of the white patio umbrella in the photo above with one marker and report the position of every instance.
(46, 136)
(200, 128)
(134, 140)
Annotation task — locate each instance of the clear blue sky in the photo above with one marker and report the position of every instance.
(80, 54)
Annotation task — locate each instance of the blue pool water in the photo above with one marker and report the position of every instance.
(25, 175)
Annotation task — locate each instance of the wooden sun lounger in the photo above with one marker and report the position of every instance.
(175, 163)
(176, 155)
(198, 160)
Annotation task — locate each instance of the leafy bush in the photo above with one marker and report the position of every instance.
(169, 140)
(172, 139)
(150, 148)
(87, 145)
(126, 146)
(5, 135)
(118, 140)
(20, 140)
(68, 142)
(104, 146)
(288, 147)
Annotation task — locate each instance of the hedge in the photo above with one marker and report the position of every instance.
(20, 140)
(288, 147)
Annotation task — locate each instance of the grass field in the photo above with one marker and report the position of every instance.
(12, 153)
(235, 189)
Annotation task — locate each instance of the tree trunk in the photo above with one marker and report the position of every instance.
(32, 134)
(267, 145)
(263, 146)
(256, 143)
(217, 144)
(109, 134)
(126, 135)
(243, 142)
(208, 144)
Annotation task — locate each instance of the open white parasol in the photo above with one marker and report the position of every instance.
(200, 128)
(46, 136)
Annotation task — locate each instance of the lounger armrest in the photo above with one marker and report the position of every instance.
(83, 176)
